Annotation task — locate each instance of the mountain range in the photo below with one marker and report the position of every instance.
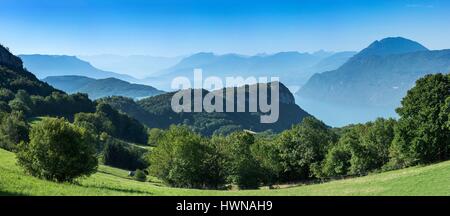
(293, 68)
(339, 88)
(377, 77)
(97, 88)
(139, 66)
(60, 65)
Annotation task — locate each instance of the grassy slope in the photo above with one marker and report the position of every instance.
(429, 180)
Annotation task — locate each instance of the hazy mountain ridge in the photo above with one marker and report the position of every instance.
(379, 75)
(60, 65)
(293, 68)
(139, 66)
(97, 88)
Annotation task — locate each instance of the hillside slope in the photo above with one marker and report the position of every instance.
(157, 112)
(98, 88)
(14, 76)
(377, 76)
(431, 180)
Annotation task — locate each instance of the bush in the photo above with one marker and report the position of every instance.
(58, 151)
(139, 175)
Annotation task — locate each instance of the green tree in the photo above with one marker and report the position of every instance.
(97, 121)
(241, 166)
(4, 107)
(302, 146)
(154, 135)
(58, 151)
(265, 151)
(182, 158)
(337, 161)
(361, 149)
(125, 127)
(13, 130)
(421, 133)
(6, 95)
(22, 103)
(120, 154)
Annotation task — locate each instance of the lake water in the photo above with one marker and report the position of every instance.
(338, 115)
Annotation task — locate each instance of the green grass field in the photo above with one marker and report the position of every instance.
(429, 180)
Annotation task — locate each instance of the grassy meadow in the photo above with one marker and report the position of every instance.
(108, 181)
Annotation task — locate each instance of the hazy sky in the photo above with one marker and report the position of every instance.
(170, 28)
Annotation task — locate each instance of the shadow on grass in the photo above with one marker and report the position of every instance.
(6, 193)
(118, 189)
(118, 176)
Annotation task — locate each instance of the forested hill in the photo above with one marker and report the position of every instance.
(24, 97)
(98, 88)
(379, 75)
(157, 112)
(14, 77)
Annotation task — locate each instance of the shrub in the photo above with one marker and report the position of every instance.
(139, 175)
(58, 151)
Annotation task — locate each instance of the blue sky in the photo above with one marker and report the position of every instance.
(170, 28)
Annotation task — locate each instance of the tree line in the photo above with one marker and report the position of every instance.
(311, 150)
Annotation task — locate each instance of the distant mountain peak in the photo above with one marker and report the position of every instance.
(392, 45)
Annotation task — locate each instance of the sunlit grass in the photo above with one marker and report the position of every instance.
(428, 180)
